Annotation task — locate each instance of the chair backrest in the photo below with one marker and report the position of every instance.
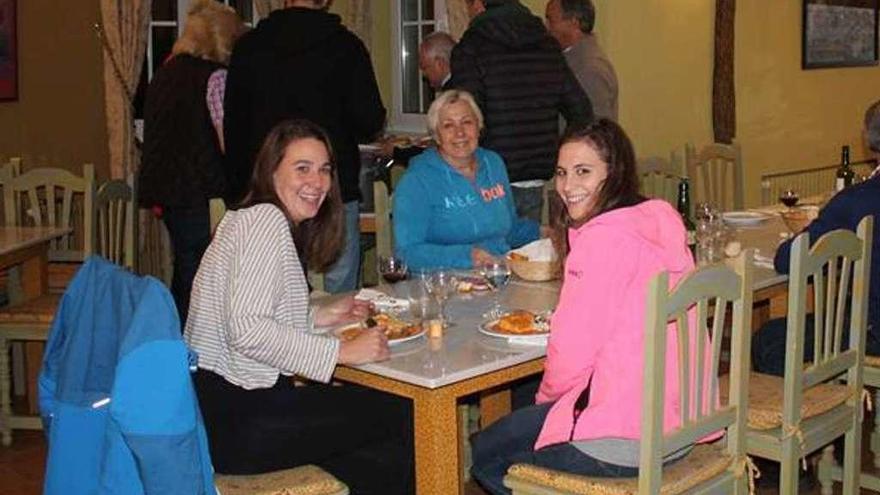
(115, 223)
(716, 175)
(549, 190)
(698, 334)
(838, 267)
(382, 209)
(216, 210)
(659, 178)
(56, 197)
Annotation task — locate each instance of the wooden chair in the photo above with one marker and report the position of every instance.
(303, 480)
(115, 223)
(708, 468)
(659, 177)
(828, 469)
(716, 175)
(794, 416)
(43, 196)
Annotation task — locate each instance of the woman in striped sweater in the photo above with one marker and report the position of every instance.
(252, 326)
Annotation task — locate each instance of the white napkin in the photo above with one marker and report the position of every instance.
(763, 261)
(382, 302)
(529, 339)
(540, 250)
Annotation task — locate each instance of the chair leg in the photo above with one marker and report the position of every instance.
(33, 361)
(5, 393)
(826, 464)
(789, 466)
(852, 466)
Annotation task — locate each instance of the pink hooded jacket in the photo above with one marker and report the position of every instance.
(598, 329)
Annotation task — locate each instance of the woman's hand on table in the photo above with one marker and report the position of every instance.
(369, 346)
(342, 311)
(480, 257)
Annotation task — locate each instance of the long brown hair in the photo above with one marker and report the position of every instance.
(320, 237)
(620, 187)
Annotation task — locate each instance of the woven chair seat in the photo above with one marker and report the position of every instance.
(703, 463)
(39, 310)
(303, 480)
(766, 394)
(872, 361)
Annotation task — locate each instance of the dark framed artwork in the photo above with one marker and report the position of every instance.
(839, 33)
(8, 51)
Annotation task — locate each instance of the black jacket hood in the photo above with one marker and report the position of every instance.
(511, 24)
(298, 29)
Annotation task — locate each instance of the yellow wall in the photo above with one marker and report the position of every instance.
(790, 118)
(58, 119)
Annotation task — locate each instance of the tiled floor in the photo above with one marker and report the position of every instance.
(21, 468)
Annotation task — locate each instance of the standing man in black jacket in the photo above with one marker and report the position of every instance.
(517, 74)
(302, 62)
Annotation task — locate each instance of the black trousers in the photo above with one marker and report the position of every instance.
(361, 436)
(190, 233)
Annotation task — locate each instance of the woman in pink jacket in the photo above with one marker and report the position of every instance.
(587, 418)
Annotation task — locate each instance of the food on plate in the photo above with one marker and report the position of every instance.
(393, 328)
(468, 284)
(520, 322)
(517, 256)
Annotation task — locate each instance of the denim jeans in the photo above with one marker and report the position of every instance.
(343, 275)
(768, 345)
(190, 233)
(528, 202)
(511, 440)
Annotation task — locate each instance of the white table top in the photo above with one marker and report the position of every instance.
(463, 352)
(15, 238)
(764, 238)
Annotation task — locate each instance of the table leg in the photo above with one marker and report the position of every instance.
(494, 405)
(436, 445)
(5, 393)
(35, 274)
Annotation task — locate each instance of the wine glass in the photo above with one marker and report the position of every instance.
(789, 198)
(441, 284)
(391, 268)
(497, 273)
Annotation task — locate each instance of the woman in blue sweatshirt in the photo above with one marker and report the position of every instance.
(454, 208)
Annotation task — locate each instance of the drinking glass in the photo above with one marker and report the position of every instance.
(441, 284)
(789, 198)
(391, 268)
(423, 306)
(497, 273)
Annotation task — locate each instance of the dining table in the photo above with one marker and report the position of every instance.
(437, 373)
(27, 248)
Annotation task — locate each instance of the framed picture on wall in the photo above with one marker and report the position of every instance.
(8, 51)
(839, 33)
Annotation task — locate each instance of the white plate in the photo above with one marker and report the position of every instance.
(744, 218)
(486, 328)
(391, 342)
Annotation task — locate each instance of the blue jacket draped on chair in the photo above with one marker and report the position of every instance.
(116, 397)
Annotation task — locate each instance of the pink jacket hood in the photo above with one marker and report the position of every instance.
(597, 330)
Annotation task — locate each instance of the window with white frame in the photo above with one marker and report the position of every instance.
(412, 21)
(166, 23)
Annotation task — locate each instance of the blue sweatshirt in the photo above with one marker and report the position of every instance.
(439, 215)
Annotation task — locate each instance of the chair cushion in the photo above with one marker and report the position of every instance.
(872, 361)
(39, 310)
(703, 463)
(303, 480)
(766, 394)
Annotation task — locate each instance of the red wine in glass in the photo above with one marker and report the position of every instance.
(789, 198)
(394, 277)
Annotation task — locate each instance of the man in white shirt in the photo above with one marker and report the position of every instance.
(571, 23)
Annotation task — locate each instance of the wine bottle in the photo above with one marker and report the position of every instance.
(684, 208)
(845, 174)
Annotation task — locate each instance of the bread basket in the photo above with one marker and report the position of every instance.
(797, 219)
(534, 271)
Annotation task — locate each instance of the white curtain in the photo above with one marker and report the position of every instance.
(359, 19)
(266, 7)
(123, 32)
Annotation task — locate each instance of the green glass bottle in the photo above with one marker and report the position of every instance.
(845, 174)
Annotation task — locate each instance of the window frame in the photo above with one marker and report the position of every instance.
(400, 121)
